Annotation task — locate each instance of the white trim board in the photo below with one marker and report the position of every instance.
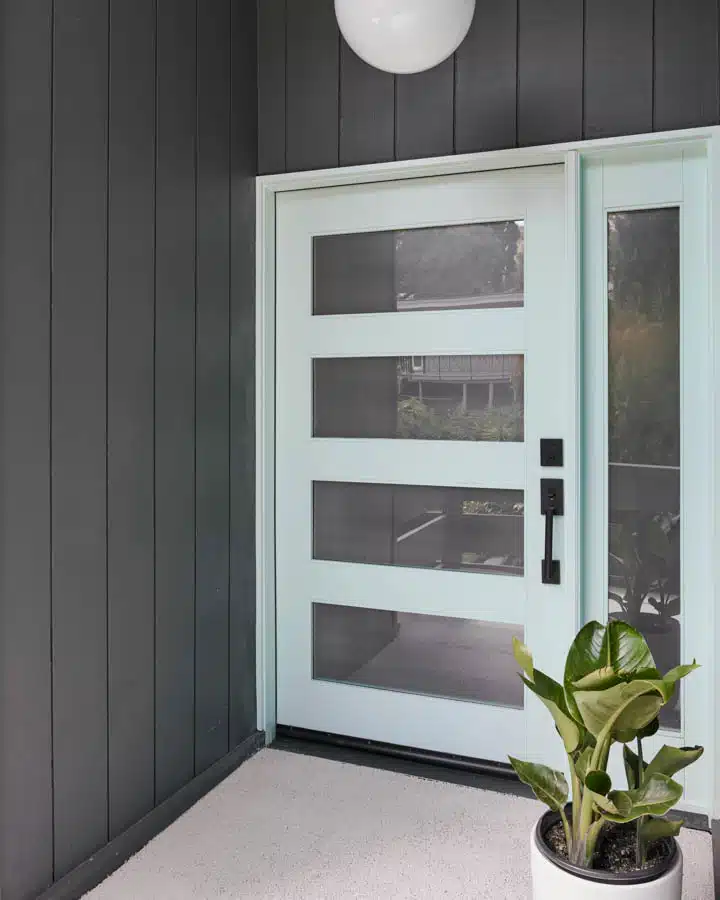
(572, 155)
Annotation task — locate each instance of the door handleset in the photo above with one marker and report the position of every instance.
(552, 504)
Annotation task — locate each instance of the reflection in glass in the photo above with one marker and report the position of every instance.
(436, 655)
(451, 398)
(644, 430)
(453, 267)
(464, 529)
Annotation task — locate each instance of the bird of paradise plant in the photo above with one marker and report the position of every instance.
(612, 693)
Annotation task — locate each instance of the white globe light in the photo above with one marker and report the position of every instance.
(404, 36)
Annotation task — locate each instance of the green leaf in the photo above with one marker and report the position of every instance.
(654, 829)
(582, 763)
(674, 675)
(552, 695)
(616, 645)
(650, 730)
(669, 760)
(633, 720)
(629, 705)
(600, 678)
(523, 657)
(615, 806)
(655, 797)
(548, 785)
(631, 761)
(598, 782)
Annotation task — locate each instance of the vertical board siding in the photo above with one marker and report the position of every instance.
(313, 84)
(131, 313)
(550, 70)
(618, 67)
(272, 52)
(26, 838)
(212, 403)
(424, 113)
(529, 72)
(175, 397)
(126, 171)
(367, 111)
(486, 80)
(79, 305)
(241, 633)
(686, 63)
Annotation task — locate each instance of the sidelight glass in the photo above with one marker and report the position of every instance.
(644, 430)
(452, 398)
(476, 266)
(458, 659)
(462, 529)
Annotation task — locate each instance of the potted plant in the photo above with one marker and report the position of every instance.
(607, 842)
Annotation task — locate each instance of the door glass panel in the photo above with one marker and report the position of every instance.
(452, 398)
(458, 659)
(463, 529)
(477, 266)
(644, 430)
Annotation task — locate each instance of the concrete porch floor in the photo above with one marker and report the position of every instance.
(292, 827)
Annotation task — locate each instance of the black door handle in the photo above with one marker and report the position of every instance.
(552, 504)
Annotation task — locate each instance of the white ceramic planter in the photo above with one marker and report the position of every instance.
(550, 882)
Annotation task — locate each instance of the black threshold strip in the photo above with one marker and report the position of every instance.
(463, 770)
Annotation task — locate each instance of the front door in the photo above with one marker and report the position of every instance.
(425, 434)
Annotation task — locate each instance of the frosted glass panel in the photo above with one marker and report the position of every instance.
(458, 659)
(454, 267)
(452, 398)
(465, 529)
(644, 430)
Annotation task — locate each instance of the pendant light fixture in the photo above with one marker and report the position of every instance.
(404, 36)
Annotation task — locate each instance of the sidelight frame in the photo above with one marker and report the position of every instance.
(575, 156)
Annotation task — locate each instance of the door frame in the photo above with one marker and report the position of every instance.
(572, 156)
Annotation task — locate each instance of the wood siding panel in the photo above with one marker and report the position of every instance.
(686, 64)
(175, 289)
(424, 114)
(131, 334)
(272, 53)
(618, 67)
(550, 71)
(486, 80)
(313, 84)
(26, 820)
(79, 519)
(212, 380)
(243, 717)
(367, 111)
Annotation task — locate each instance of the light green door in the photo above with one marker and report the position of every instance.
(426, 344)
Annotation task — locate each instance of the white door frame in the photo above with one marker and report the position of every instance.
(572, 156)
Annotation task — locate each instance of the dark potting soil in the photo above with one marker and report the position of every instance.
(615, 851)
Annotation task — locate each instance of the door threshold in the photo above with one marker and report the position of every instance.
(483, 774)
(450, 769)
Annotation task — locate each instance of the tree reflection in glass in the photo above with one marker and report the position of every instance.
(644, 429)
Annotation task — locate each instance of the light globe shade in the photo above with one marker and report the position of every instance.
(404, 36)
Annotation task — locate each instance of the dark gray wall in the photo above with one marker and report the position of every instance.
(530, 72)
(128, 150)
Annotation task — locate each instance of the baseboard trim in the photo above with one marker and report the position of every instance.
(113, 855)
(488, 776)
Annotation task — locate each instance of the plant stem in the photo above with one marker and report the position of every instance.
(592, 838)
(568, 835)
(639, 849)
(576, 798)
